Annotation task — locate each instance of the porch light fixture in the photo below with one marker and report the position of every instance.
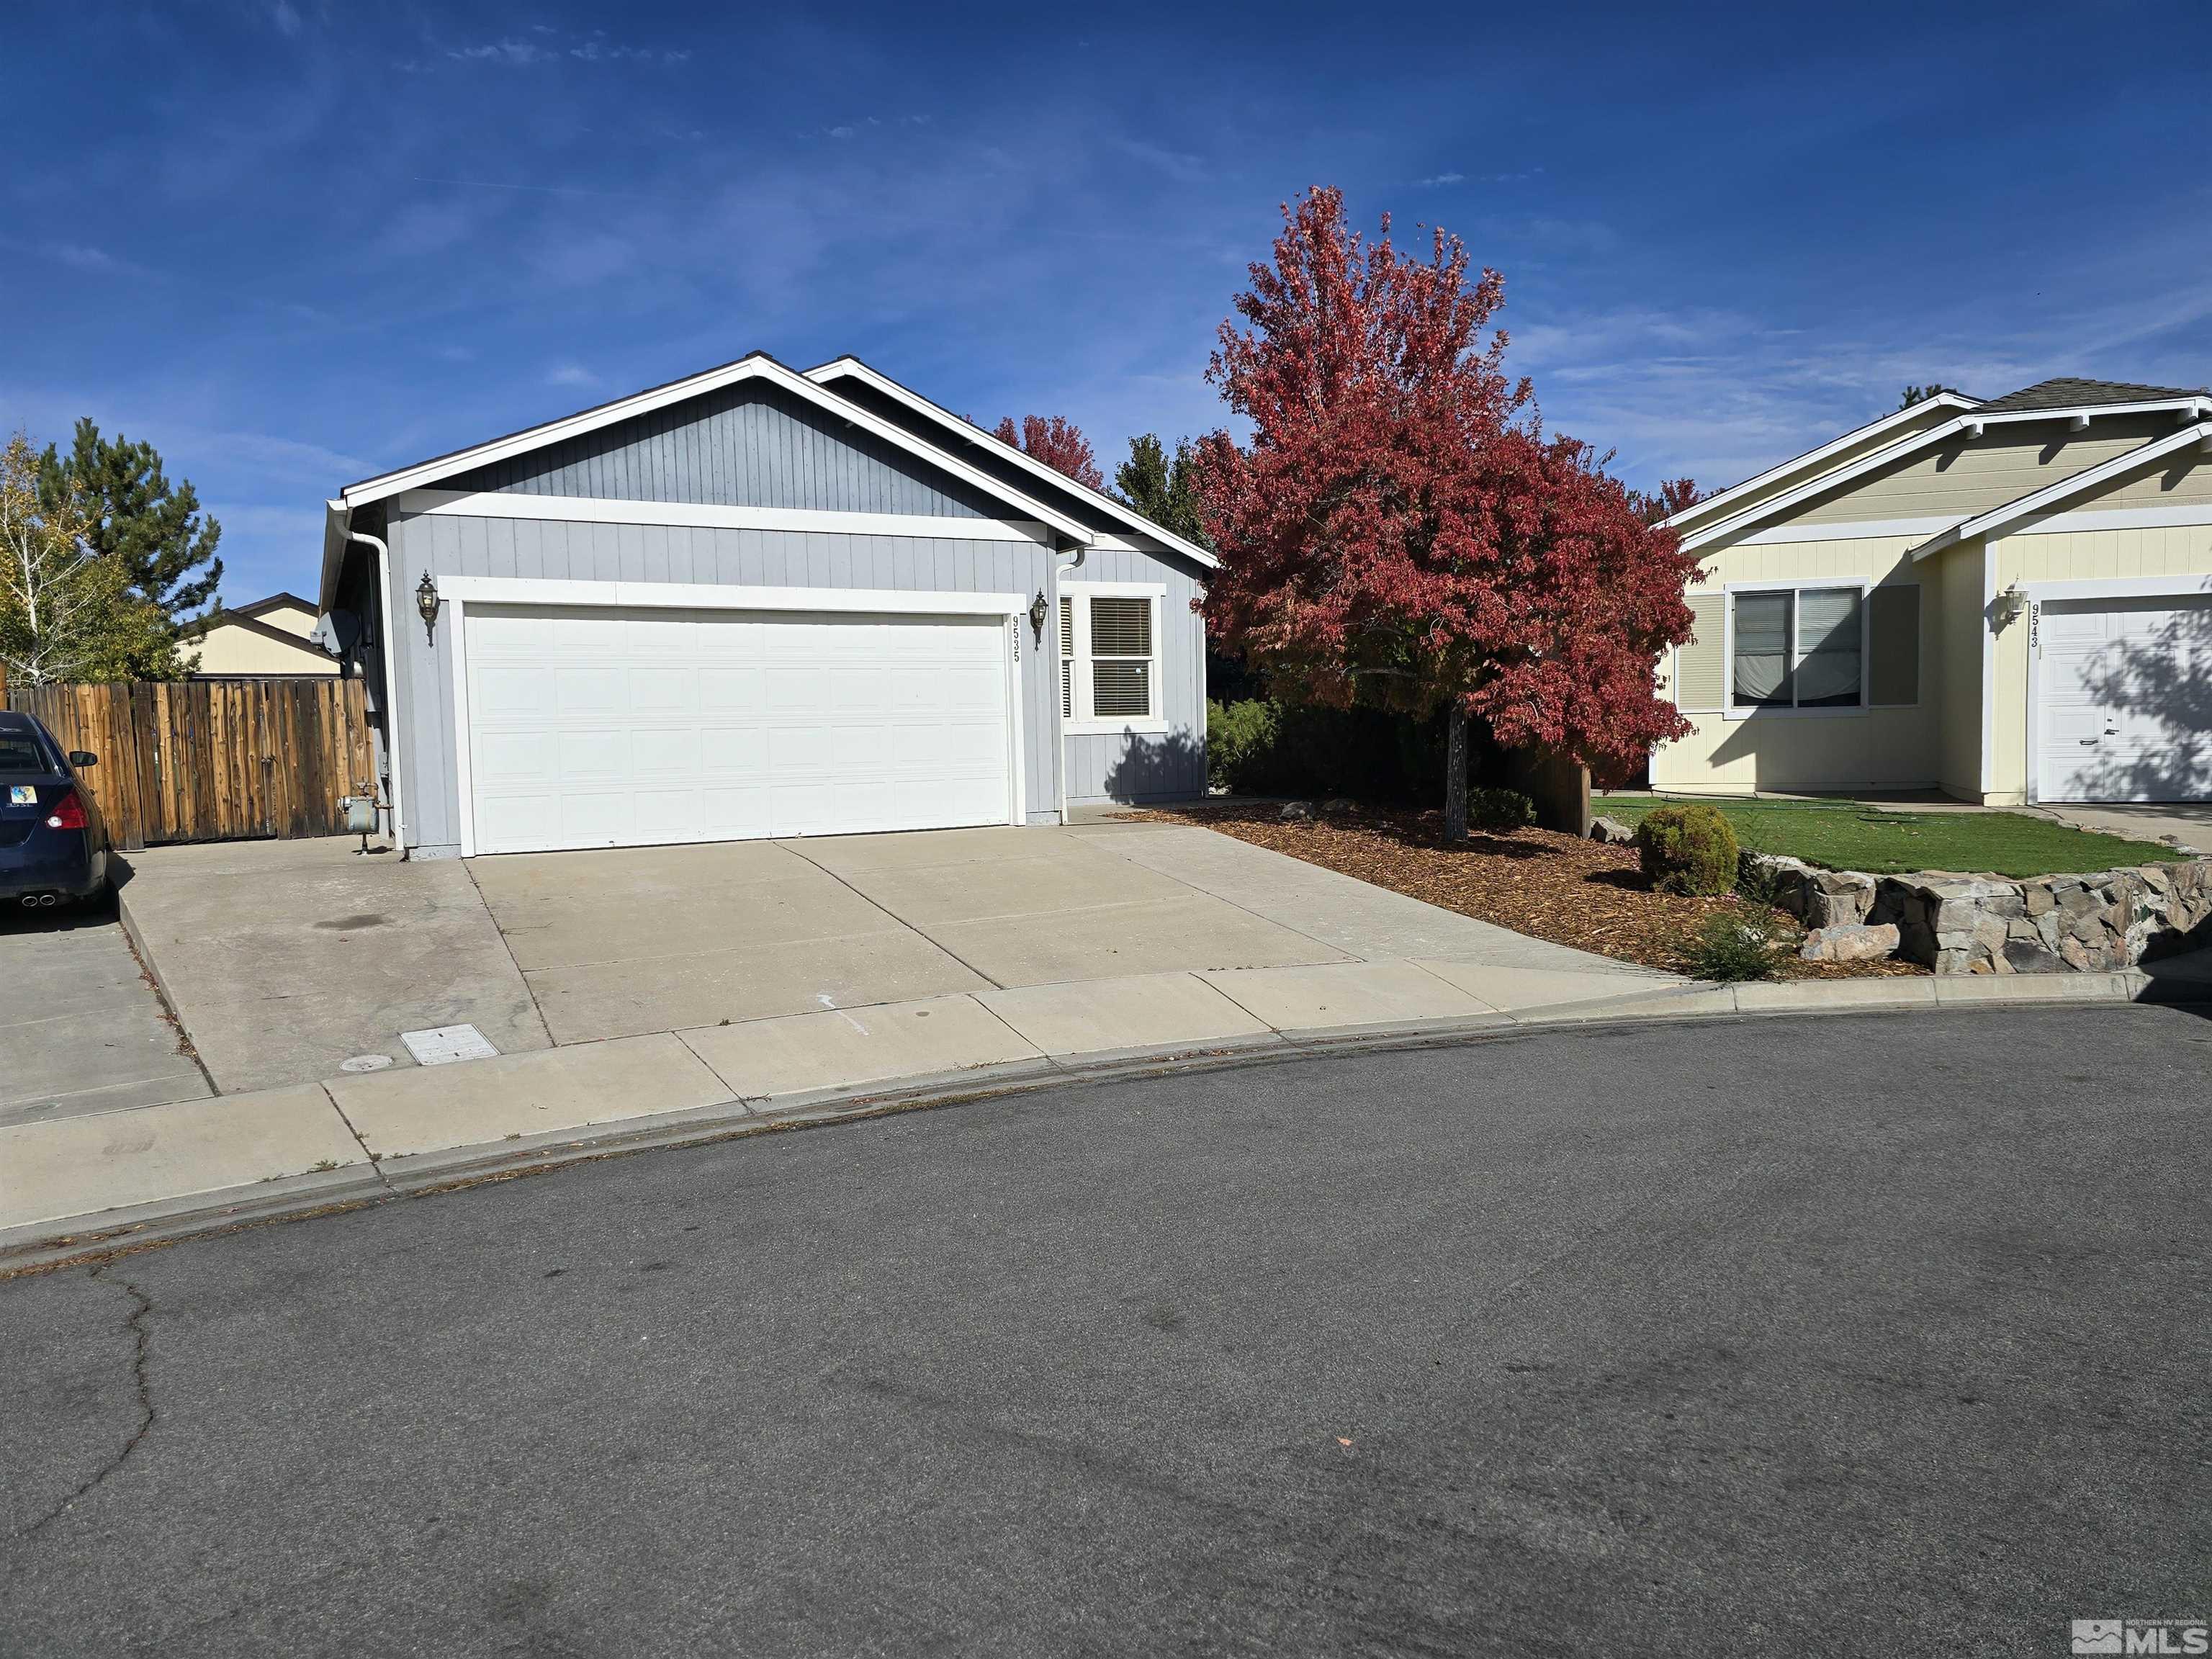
(1037, 608)
(2010, 604)
(427, 602)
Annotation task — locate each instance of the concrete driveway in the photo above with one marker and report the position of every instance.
(286, 959)
(620, 942)
(82, 1030)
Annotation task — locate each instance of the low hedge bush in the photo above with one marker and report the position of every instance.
(1499, 809)
(1687, 849)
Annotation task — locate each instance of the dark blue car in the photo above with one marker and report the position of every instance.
(53, 842)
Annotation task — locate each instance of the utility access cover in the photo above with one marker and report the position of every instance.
(443, 1044)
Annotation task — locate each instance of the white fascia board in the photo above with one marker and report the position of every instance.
(854, 368)
(2193, 407)
(714, 596)
(1998, 521)
(1824, 482)
(1834, 446)
(756, 366)
(600, 509)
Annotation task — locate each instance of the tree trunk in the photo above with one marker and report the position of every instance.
(1456, 773)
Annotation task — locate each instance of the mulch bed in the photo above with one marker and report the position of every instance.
(1537, 882)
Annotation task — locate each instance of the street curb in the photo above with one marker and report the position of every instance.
(40, 1245)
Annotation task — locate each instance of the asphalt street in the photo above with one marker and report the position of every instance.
(1880, 1335)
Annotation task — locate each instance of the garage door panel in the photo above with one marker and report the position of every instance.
(2121, 711)
(589, 728)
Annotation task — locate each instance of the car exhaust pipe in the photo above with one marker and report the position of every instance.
(39, 901)
(47, 901)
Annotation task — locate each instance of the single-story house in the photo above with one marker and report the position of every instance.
(757, 602)
(267, 639)
(2008, 600)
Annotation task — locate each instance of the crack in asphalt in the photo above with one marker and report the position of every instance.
(141, 1358)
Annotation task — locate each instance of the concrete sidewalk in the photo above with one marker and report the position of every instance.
(352, 1137)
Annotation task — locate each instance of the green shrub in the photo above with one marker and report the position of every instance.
(1499, 809)
(1734, 945)
(1687, 849)
(1239, 736)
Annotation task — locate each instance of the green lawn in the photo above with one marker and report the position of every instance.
(1846, 835)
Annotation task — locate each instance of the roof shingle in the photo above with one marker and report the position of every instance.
(2066, 392)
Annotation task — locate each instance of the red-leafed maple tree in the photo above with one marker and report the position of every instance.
(1058, 443)
(1400, 531)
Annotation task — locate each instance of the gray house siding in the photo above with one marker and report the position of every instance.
(748, 445)
(447, 544)
(1145, 767)
(984, 453)
(752, 446)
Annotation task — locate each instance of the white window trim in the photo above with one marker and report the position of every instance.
(460, 592)
(1860, 585)
(1084, 723)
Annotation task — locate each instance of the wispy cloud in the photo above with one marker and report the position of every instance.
(1179, 165)
(511, 52)
(1436, 178)
(570, 375)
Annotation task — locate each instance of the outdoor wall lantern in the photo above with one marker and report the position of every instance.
(427, 602)
(1037, 616)
(2010, 604)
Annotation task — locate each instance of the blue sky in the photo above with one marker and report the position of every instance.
(293, 244)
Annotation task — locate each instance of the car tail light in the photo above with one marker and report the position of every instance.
(68, 813)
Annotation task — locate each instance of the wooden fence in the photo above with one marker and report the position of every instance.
(213, 760)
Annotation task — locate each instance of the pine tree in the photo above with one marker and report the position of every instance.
(155, 533)
(66, 610)
(1164, 490)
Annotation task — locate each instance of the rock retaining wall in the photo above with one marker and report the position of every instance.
(1970, 924)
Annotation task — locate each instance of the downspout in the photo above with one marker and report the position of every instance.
(1058, 725)
(391, 680)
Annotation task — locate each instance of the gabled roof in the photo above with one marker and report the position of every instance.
(2068, 394)
(271, 602)
(241, 619)
(1998, 520)
(2191, 406)
(756, 365)
(969, 432)
(1896, 417)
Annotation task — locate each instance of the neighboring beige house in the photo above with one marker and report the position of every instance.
(2008, 600)
(266, 638)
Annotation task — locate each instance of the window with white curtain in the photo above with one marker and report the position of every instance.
(1797, 647)
(1110, 655)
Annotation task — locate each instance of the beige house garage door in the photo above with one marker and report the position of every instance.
(2123, 709)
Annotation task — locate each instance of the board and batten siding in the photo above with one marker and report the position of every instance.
(1135, 766)
(453, 544)
(748, 445)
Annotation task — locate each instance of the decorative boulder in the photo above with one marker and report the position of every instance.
(1297, 812)
(1338, 806)
(1611, 831)
(1853, 941)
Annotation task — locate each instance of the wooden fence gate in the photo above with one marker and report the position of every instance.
(213, 760)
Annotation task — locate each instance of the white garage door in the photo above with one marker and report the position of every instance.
(2124, 709)
(622, 728)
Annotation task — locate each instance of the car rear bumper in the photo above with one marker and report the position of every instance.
(30, 871)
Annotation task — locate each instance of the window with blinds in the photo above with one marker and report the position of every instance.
(1109, 655)
(1066, 658)
(1121, 658)
(1798, 648)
